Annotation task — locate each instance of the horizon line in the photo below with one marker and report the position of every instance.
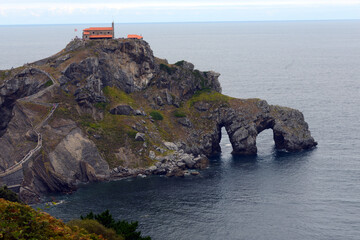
(177, 22)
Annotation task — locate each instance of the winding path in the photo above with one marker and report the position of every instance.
(16, 167)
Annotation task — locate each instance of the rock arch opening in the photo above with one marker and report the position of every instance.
(244, 140)
(265, 141)
(224, 143)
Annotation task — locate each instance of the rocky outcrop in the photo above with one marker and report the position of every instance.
(14, 143)
(27, 82)
(72, 159)
(126, 65)
(114, 110)
(243, 120)
(177, 83)
(123, 109)
(76, 158)
(174, 164)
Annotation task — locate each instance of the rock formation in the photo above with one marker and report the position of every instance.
(107, 109)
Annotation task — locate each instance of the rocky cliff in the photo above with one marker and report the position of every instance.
(107, 109)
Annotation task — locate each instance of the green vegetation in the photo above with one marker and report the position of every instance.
(167, 68)
(117, 96)
(63, 112)
(2, 75)
(179, 63)
(101, 105)
(93, 226)
(48, 83)
(156, 115)
(9, 195)
(18, 221)
(114, 132)
(179, 113)
(87, 121)
(199, 77)
(122, 228)
(131, 134)
(208, 95)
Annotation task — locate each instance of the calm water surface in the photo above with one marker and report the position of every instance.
(311, 66)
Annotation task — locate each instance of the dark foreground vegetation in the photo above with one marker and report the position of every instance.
(20, 221)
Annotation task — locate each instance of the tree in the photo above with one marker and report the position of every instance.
(9, 195)
(123, 228)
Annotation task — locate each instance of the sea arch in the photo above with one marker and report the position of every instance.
(243, 124)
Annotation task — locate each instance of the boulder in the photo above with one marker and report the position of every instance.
(186, 65)
(152, 168)
(159, 101)
(140, 137)
(152, 155)
(188, 160)
(185, 122)
(140, 113)
(171, 146)
(202, 106)
(122, 110)
(181, 164)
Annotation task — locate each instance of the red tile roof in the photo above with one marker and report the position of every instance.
(101, 36)
(98, 29)
(134, 36)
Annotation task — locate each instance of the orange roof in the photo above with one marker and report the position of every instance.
(98, 29)
(101, 36)
(135, 36)
(86, 33)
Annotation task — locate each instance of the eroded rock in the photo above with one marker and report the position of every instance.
(122, 109)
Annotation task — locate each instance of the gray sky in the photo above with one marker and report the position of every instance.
(132, 11)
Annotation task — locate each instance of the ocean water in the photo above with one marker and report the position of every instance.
(312, 66)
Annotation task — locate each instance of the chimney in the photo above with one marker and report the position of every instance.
(113, 29)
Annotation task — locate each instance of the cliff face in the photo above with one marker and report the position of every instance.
(106, 109)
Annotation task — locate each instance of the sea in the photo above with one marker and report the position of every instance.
(313, 66)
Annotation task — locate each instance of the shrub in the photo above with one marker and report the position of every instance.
(7, 194)
(131, 134)
(166, 68)
(48, 83)
(93, 226)
(101, 105)
(2, 74)
(123, 228)
(156, 115)
(180, 63)
(88, 122)
(179, 114)
(18, 221)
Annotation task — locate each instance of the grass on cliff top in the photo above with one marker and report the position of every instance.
(208, 95)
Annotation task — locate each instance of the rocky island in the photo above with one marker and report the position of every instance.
(108, 109)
